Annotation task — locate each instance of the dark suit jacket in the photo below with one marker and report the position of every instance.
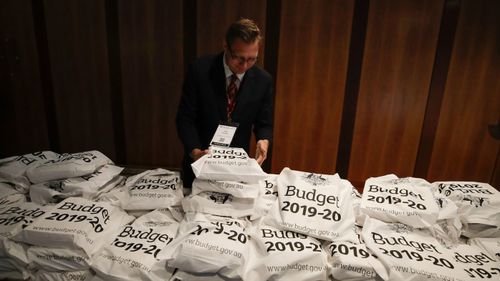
(203, 106)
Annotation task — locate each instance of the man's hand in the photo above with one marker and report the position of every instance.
(197, 153)
(261, 151)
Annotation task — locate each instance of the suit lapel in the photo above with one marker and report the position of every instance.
(218, 81)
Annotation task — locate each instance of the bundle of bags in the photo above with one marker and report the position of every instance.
(74, 217)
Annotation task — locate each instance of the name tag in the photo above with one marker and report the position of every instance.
(224, 134)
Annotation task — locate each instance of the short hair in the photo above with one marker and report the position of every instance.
(244, 29)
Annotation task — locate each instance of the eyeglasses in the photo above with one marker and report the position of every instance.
(241, 59)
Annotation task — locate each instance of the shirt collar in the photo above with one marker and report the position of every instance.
(228, 71)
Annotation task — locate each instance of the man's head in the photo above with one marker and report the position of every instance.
(242, 45)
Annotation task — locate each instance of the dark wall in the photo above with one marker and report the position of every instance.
(363, 88)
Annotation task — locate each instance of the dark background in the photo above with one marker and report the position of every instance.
(363, 88)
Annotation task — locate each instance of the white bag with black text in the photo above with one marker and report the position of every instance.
(353, 262)
(13, 255)
(43, 275)
(237, 189)
(478, 206)
(404, 200)
(475, 262)
(220, 204)
(228, 164)
(13, 169)
(268, 196)
(9, 195)
(118, 195)
(133, 254)
(448, 227)
(317, 205)
(58, 259)
(16, 216)
(284, 255)
(75, 223)
(414, 254)
(490, 245)
(87, 186)
(209, 244)
(67, 166)
(154, 189)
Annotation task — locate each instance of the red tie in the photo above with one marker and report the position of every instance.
(231, 96)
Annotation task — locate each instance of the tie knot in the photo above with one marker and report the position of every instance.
(234, 78)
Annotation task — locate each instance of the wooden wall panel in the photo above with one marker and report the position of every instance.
(463, 148)
(397, 66)
(152, 73)
(107, 75)
(214, 17)
(76, 34)
(22, 113)
(312, 66)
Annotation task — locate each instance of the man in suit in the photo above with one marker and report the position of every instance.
(226, 88)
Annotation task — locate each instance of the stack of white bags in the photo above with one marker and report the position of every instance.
(74, 217)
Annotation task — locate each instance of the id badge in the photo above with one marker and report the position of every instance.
(224, 134)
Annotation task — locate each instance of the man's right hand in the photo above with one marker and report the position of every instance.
(197, 153)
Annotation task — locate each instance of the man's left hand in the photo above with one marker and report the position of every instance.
(261, 151)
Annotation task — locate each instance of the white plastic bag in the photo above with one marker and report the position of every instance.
(284, 255)
(118, 195)
(268, 196)
(13, 251)
(75, 223)
(133, 253)
(220, 204)
(6, 190)
(356, 204)
(13, 218)
(13, 169)
(87, 186)
(478, 206)
(353, 262)
(154, 189)
(19, 215)
(317, 205)
(237, 189)
(9, 196)
(475, 262)
(43, 275)
(490, 245)
(58, 259)
(209, 244)
(411, 254)
(13, 257)
(447, 229)
(11, 270)
(228, 164)
(67, 166)
(405, 200)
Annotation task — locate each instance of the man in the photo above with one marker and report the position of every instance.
(226, 89)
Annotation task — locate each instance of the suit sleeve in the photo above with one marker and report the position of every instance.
(187, 112)
(263, 127)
